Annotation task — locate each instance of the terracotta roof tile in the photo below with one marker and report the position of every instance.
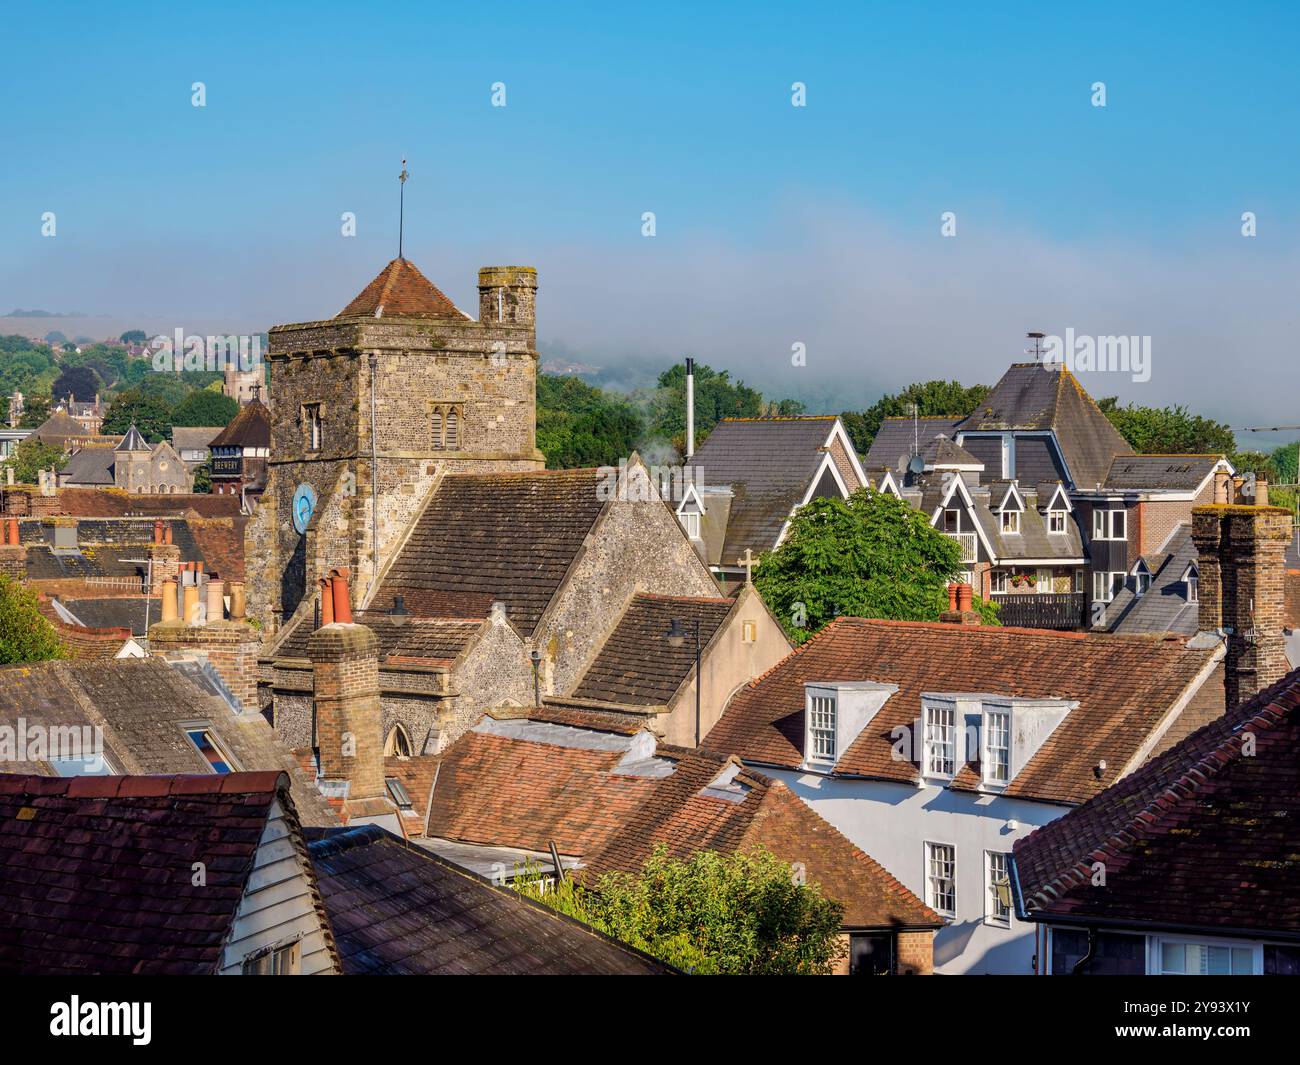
(1206, 835)
(1125, 686)
(98, 878)
(401, 291)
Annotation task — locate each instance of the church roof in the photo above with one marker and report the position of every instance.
(401, 291)
(133, 441)
(251, 427)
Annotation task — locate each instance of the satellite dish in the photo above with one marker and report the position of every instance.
(917, 465)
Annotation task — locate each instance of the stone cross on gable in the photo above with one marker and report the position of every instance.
(749, 562)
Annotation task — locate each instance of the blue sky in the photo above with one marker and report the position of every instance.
(775, 224)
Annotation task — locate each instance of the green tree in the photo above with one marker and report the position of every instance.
(740, 914)
(134, 336)
(581, 425)
(871, 556)
(205, 407)
(25, 635)
(933, 399)
(717, 396)
(203, 477)
(55, 337)
(36, 410)
(149, 414)
(32, 456)
(1168, 430)
(81, 381)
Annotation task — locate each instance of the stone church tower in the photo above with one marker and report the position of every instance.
(377, 403)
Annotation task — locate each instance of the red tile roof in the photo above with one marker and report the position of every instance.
(1206, 836)
(526, 794)
(401, 291)
(96, 873)
(1125, 687)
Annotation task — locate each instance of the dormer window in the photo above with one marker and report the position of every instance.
(997, 747)
(1141, 580)
(835, 713)
(1010, 521)
(821, 727)
(1192, 579)
(940, 755)
(1056, 521)
(690, 511)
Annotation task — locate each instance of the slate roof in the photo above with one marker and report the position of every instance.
(251, 427)
(637, 665)
(105, 546)
(1164, 607)
(89, 466)
(126, 612)
(1125, 687)
(401, 291)
(897, 436)
(526, 793)
(133, 441)
(96, 873)
(397, 909)
(194, 437)
(1171, 473)
(507, 537)
(99, 503)
(769, 464)
(942, 451)
(1032, 396)
(59, 426)
(442, 639)
(1205, 836)
(141, 704)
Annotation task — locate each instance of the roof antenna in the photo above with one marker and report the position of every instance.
(401, 206)
(1037, 350)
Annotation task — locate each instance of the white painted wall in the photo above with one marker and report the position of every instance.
(892, 823)
(277, 906)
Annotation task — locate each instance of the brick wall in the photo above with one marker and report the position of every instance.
(230, 646)
(1241, 563)
(916, 953)
(345, 685)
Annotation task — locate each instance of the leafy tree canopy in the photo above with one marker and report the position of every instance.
(1168, 430)
(871, 556)
(203, 478)
(581, 425)
(32, 456)
(36, 410)
(205, 407)
(151, 416)
(933, 399)
(25, 635)
(134, 336)
(717, 396)
(55, 337)
(711, 914)
(82, 382)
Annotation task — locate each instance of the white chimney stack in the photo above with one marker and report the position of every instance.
(690, 407)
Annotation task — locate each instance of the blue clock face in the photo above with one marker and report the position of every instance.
(304, 505)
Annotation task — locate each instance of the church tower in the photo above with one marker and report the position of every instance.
(370, 407)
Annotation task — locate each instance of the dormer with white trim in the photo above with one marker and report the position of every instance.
(1012, 731)
(1009, 511)
(690, 512)
(835, 713)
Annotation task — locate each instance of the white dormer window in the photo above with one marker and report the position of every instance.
(940, 740)
(821, 727)
(1193, 588)
(997, 747)
(1010, 521)
(835, 713)
(1142, 584)
(1056, 521)
(691, 523)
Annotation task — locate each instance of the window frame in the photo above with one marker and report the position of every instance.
(1156, 952)
(313, 417)
(828, 716)
(986, 755)
(946, 747)
(1010, 523)
(931, 894)
(1053, 516)
(1105, 521)
(270, 961)
(995, 915)
(215, 742)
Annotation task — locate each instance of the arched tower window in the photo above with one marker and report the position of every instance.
(435, 425)
(398, 743)
(453, 430)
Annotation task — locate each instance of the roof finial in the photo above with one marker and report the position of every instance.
(401, 206)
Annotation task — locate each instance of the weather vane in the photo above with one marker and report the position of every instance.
(401, 206)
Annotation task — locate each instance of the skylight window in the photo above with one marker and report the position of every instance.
(206, 744)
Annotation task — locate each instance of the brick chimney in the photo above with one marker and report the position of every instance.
(13, 555)
(961, 605)
(166, 556)
(349, 723)
(1241, 568)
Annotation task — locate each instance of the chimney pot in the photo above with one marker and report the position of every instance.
(342, 602)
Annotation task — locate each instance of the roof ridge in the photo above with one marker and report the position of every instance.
(1183, 787)
(139, 787)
